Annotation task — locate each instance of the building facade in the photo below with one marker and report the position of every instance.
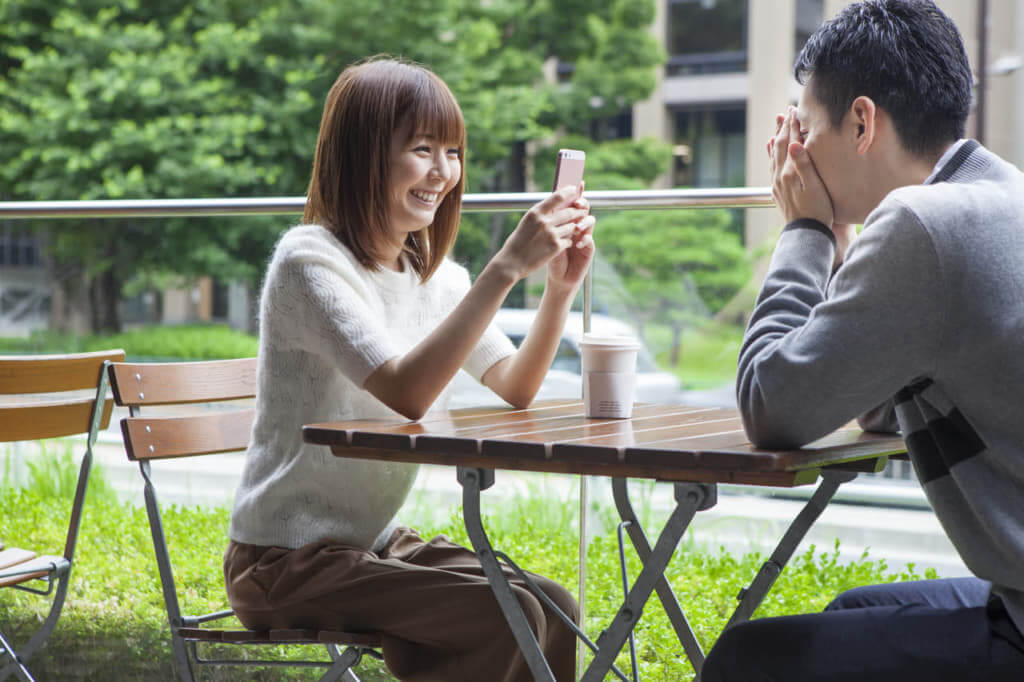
(729, 71)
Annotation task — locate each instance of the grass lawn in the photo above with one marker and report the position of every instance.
(707, 354)
(114, 628)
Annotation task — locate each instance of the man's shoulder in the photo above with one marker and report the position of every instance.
(979, 183)
(945, 201)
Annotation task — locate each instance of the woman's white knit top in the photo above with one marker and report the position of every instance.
(326, 323)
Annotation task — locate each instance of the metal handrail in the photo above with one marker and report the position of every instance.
(728, 197)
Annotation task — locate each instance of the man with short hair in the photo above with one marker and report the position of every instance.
(916, 324)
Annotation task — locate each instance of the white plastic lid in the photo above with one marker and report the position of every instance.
(619, 342)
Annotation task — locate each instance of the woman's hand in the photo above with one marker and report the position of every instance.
(545, 231)
(567, 269)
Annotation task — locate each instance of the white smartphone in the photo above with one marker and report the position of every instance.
(569, 168)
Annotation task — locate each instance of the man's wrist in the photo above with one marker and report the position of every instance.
(811, 224)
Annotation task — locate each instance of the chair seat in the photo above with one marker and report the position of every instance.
(280, 637)
(21, 565)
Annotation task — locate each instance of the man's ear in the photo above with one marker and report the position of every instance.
(864, 115)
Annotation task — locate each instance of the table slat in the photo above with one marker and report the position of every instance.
(670, 442)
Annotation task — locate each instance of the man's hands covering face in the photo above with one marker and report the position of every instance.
(796, 186)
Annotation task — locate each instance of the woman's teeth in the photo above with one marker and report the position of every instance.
(426, 197)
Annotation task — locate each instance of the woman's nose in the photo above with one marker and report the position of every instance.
(441, 167)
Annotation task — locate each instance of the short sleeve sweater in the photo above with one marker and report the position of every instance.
(326, 323)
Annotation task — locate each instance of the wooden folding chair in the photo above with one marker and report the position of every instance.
(45, 401)
(148, 438)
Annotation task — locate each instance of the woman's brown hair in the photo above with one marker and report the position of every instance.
(367, 106)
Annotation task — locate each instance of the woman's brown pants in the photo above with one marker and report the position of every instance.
(430, 602)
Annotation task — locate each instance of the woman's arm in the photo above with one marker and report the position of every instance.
(518, 377)
(410, 384)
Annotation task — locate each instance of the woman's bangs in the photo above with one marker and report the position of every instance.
(437, 115)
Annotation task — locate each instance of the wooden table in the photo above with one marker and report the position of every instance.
(694, 448)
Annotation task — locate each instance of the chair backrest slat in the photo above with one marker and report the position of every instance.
(164, 437)
(50, 373)
(169, 383)
(50, 419)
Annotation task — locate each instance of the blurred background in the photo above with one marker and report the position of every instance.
(222, 98)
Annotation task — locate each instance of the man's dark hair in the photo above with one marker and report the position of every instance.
(906, 55)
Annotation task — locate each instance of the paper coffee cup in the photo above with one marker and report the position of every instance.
(609, 375)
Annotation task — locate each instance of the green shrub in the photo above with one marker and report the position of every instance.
(114, 628)
(180, 342)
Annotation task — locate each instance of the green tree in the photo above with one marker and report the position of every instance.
(180, 99)
(670, 268)
(193, 98)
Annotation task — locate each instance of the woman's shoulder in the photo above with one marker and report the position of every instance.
(312, 243)
(303, 235)
(452, 275)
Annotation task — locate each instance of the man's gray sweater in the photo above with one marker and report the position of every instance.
(927, 315)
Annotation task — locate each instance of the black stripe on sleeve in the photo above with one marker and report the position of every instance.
(956, 437)
(811, 224)
(926, 456)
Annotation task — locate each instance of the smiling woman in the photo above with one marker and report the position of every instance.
(369, 156)
(424, 170)
(363, 315)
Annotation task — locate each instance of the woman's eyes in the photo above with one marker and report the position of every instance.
(427, 149)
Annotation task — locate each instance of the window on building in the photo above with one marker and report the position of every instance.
(710, 147)
(706, 36)
(617, 127)
(19, 247)
(809, 14)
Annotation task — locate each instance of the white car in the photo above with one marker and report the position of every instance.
(563, 379)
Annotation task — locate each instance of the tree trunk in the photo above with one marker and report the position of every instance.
(677, 341)
(105, 296)
(70, 310)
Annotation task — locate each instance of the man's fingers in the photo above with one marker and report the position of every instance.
(794, 126)
(781, 144)
(803, 166)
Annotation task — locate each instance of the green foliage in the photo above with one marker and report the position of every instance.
(194, 98)
(673, 269)
(184, 342)
(614, 165)
(113, 626)
(178, 100)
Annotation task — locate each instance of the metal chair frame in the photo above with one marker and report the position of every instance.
(56, 571)
(345, 650)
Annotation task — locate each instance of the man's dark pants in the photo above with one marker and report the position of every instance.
(923, 631)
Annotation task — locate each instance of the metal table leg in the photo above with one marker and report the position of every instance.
(474, 480)
(751, 597)
(665, 592)
(690, 497)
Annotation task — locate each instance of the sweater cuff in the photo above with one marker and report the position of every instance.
(811, 224)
